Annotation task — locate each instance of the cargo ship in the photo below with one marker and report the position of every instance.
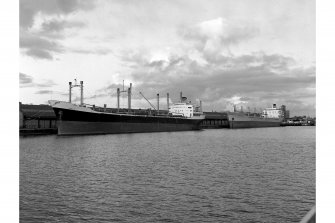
(85, 119)
(82, 120)
(242, 120)
(270, 117)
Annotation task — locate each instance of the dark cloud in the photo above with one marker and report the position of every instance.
(109, 90)
(25, 79)
(34, 41)
(57, 26)
(42, 47)
(245, 98)
(28, 81)
(39, 47)
(217, 76)
(96, 96)
(54, 29)
(29, 8)
(47, 83)
(259, 79)
(44, 92)
(96, 51)
(42, 43)
(39, 53)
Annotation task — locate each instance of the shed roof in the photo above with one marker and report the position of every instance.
(215, 115)
(37, 111)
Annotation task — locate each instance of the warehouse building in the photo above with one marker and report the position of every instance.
(37, 117)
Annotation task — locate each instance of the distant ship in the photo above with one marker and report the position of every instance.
(242, 120)
(81, 120)
(270, 117)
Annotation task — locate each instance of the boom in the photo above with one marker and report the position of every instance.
(147, 100)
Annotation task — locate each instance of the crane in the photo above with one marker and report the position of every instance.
(147, 100)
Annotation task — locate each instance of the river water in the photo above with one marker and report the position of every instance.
(217, 175)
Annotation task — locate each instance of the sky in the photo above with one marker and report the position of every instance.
(249, 53)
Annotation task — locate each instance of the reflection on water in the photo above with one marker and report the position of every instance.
(243, 175)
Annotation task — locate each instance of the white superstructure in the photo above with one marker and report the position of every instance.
(273, 112)
(181, 109)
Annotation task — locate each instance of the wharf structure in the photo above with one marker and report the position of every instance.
(215, 120)
(37, 119)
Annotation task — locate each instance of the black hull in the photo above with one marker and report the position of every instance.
(252, 124)
(73, 122)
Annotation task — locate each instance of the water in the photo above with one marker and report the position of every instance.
(219, 175)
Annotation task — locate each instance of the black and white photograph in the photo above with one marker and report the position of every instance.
(167, 111)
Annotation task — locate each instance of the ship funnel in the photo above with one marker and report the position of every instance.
(274, 106)
(181, 96)
(184, 100)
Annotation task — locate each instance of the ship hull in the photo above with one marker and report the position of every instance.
(75, 120)
(242, 121)
(90, 128)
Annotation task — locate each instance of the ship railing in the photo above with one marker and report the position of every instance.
(310, 217)
(124, 111)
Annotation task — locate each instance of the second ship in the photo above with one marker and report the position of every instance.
(271, 117)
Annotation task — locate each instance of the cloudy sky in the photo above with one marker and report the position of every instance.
(250, 53)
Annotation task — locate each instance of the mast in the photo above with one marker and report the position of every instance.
(168, 101)
(129, 97)
(157, 103)
(70, 91)
(118, 99)
(81, 85)
(118, 93)
(81, 93)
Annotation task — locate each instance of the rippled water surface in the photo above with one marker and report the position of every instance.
(221, 175)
